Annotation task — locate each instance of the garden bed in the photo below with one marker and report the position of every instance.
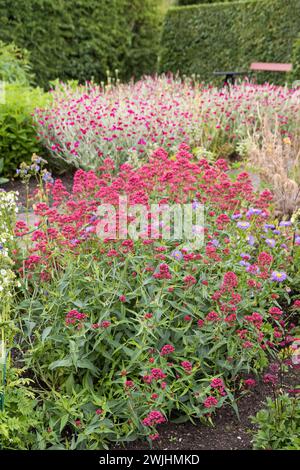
(228, 432)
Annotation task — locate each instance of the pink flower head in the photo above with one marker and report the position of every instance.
(210, 402)
(154, 437)
(217, 383)
(187, 365)
(154, 418)
(250, 383)
(167, 349)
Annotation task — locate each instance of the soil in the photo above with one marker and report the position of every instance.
(228, 433)
(16, 184)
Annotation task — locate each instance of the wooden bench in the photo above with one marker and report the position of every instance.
(230, 76)
(270, 67)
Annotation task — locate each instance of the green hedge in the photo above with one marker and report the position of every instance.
(81, 39)
(194, 2)
(202, 38)
(296, 60)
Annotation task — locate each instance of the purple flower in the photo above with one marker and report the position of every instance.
(251, 240)
(271, 242)
(276, 232)
(297, 240)
(278, 276)
(243, 225)
(215, 242)
(285, 223)
(176, 254)
(236, 216)
(269, 227)
(195, 205)
(252, 211)
(244, 263)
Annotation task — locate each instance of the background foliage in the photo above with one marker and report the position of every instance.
(14, 64)
(18, 139)
(194, 2)
(296, 60)
(203, 38)
(83, 38)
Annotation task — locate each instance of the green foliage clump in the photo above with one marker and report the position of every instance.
(84, 38)
(200, 39)
(278, 424)
(19, 417)
(14, 64)
(18, 139)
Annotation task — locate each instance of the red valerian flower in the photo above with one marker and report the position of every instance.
(154, 418)
(250, 383)
(210, 402)
(187, 365)
(154, 437)
(167, 349)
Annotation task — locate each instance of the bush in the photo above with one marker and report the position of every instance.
(203, 38)
(127, 333)
(14, 64)
(278, 424)
(18, 140)
(82, 39)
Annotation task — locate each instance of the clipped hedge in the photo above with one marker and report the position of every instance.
(81, 39)
(202, 38)
(295, 76)
(194, 2)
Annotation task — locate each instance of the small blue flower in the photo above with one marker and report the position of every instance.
(244, 263)
(269, 227)
(271, 242)
(243, 225)
(177, 254)
(278, 276)
(285, 223)
(251, 240)
(252, 211)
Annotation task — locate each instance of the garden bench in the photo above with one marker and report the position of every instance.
(270, 67)
(230, 76)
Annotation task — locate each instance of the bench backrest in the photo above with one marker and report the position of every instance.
(271, 67)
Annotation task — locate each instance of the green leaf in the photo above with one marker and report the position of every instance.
(66, 362)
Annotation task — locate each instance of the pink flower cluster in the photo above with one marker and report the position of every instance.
(86, 124)
(154, 418)
(74, 317)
